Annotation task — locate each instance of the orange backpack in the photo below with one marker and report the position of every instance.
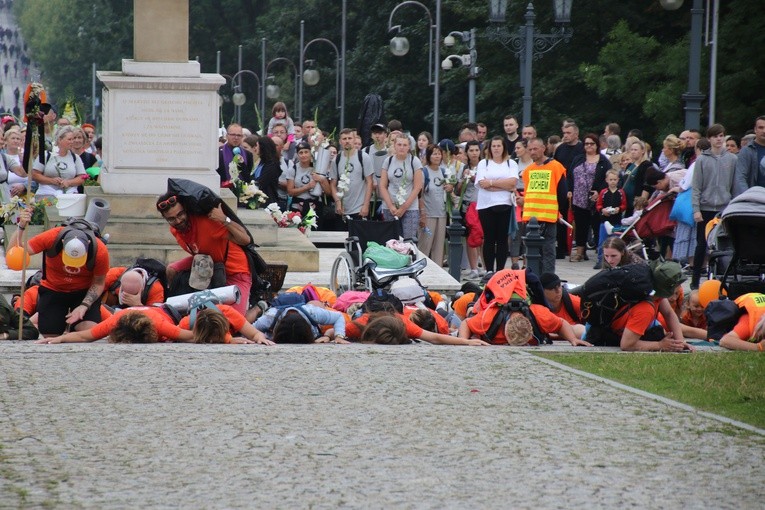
(504, 294)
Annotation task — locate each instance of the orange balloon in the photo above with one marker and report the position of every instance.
(709, 291)
(16, 258)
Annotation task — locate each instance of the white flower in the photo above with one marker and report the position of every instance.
(343, 185)
(296, 220)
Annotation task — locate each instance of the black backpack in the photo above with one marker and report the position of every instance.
(608, 291)
(155, 271)
(340, 154)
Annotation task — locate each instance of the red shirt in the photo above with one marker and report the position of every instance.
(62, 278)
(210, 237)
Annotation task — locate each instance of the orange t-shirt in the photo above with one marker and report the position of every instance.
(30, 300)
(68, 279)
(156, 292)
(576, 303)
(689, 320)
(236, 320)
(638, 319)
(353, 331)
(742, 328)
(164, 325)
(547, 321)
(210, 237)
(441, 325)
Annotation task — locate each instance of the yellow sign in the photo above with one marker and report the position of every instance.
(539, 181)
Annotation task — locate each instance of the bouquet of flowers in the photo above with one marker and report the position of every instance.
(344, 182)
(401, 194)
(248, 193)
(10, 211)
(233, 167)
(292, 219)
(450, 178)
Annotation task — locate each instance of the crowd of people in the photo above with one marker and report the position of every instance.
(494, 185)
(593, 181)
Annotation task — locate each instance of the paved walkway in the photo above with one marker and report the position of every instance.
(185, 426)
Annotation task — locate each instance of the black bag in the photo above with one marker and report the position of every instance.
(9, 323)
(180, 284)
(722, 315)
(606, 292)
(380, 300)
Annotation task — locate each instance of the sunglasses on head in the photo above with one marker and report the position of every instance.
(167, 204)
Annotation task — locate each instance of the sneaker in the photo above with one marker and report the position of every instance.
(597, 265)
(481, 272)
(472, 275)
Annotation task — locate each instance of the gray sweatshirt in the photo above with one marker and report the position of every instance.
(712, 181)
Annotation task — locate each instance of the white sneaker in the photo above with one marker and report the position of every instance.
(608, 228)
(472, 275)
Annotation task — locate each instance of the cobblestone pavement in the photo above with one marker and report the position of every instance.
(186, 426)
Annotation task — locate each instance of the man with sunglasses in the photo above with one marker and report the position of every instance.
(215, 235)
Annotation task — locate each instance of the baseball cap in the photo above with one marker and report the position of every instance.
(75, 252)
(667, 275)
(379, 127)
(549, 280)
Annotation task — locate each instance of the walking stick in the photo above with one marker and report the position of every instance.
(35, 108)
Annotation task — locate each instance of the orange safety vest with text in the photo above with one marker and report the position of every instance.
(754, 304)
(541, 187)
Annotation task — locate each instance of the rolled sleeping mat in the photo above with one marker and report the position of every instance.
(228, 296)
(98, 212)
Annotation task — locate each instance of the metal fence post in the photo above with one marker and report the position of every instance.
(534, 243)
(455, 232)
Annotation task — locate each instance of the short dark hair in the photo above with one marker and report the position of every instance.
(613, 128)
(134, 328)
(395, 125)
(292, 328)
(715, 130)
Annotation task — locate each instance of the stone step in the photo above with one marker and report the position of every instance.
(141, 206)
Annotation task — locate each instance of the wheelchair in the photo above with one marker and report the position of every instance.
(351, 271)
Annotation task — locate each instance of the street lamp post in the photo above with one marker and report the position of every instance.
(272, 91)
(399, 46)
(527, 44)
(311, 76)
(238, 98)
(693, 97)
(470, 60)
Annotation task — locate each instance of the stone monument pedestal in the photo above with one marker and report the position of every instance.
(157, 127)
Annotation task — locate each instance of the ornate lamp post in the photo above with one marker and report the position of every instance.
(527, 43)
(238, 98)
(311, 77)
(399, 46)
(271, 90)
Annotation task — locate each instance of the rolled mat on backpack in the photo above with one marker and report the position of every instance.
(228, 295)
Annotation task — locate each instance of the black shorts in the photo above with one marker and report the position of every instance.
(53, 306)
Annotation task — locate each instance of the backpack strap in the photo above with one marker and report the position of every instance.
(86, 228)
(568, 304)
(200, 301)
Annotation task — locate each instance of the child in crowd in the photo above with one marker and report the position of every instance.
(279, 116)
(611, 204)
(692, 319)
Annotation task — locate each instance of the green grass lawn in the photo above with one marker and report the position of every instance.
(731, 384)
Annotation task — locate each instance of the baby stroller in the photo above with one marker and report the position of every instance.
(351, 271)
(652, 224)
(737, 244)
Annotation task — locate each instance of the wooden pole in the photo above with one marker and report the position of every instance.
(35, 149)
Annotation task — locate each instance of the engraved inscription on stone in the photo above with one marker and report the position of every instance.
(161, 130)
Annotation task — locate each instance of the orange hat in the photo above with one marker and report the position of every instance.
(461, 304)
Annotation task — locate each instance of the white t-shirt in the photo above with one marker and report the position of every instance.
(490, 170)
(401, 179)
(67, 167)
